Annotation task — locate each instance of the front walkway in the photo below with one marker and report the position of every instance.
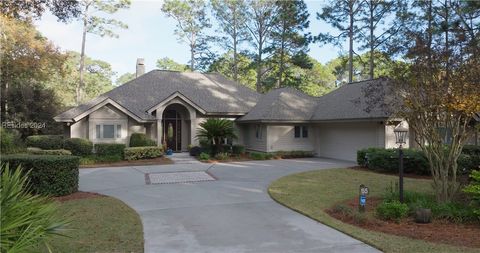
(231, 214)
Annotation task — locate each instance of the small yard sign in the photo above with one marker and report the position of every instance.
(363, 198)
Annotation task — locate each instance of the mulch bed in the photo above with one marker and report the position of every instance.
(439, 231)
(155, 161)
(78, 195)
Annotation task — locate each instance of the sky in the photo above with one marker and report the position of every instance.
(150, 35)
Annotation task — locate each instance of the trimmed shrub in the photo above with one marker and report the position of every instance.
(383, 160)
(78, 146)
(473, 189)
(195, 151)
(362, 155)
(137, 153)
(260, 156)
(204, 156)
(386, 160)
(222, 156)
(238, 149)
(293, 154)
(471, 150)
(141, 140)
(392, 210)
(55, 175)
(45, 141)
(109, 149)
(37, 151)
(226, 148)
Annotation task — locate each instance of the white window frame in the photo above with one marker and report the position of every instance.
(301, 129)
(117, 131)
(119, 136)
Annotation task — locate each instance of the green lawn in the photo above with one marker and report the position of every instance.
(310, 193)
(100, 224)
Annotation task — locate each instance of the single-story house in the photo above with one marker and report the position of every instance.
(335, 125)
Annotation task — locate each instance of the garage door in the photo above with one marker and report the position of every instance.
(342, 140)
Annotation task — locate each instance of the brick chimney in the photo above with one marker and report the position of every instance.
(140, 67)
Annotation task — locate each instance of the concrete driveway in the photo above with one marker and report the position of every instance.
(231, 214)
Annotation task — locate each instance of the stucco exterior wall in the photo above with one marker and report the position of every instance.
(282, 138)
(109, 115)
(251, 141)
(342, 140)
(79, 129)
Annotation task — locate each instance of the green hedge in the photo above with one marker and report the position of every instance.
(260, 156)
(386, 160)
(293, 154)
(141, 140)
(238, 149)
(55, 175)
(79, 146)
(362, 155)
(137, 153)
(109, 149)
(45, 141)
(37, 151)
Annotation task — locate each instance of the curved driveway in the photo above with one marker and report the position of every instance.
(232, 214)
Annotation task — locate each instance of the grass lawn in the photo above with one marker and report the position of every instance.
(310, 193)
(99, 224)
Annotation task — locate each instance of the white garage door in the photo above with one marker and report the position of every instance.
(342, 140)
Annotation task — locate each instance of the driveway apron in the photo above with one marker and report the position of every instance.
(231, 212)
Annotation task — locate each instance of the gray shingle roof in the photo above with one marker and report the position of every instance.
(283, 104)
(216, 94)
(360, 100)
(350, 101)
(211, 92)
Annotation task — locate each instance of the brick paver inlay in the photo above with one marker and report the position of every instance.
(178, 177)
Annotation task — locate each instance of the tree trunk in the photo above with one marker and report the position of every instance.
(372, 40)
(4, 103)
(80, 86)
(235, 42)
(259, 68)
(281, 68)
(193, 45)
(350, 49)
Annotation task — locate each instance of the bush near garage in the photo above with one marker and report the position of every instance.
(109, 149)
(293, 154)
(137, 153)
(386, 160)
(238, 149)
(55, 175)
(260, 156)
(45, 141)
(78, 146)
(141, 140)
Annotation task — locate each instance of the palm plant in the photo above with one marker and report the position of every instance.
(26, 219)
(215, 131)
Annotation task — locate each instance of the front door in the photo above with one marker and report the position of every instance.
(172, 125)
